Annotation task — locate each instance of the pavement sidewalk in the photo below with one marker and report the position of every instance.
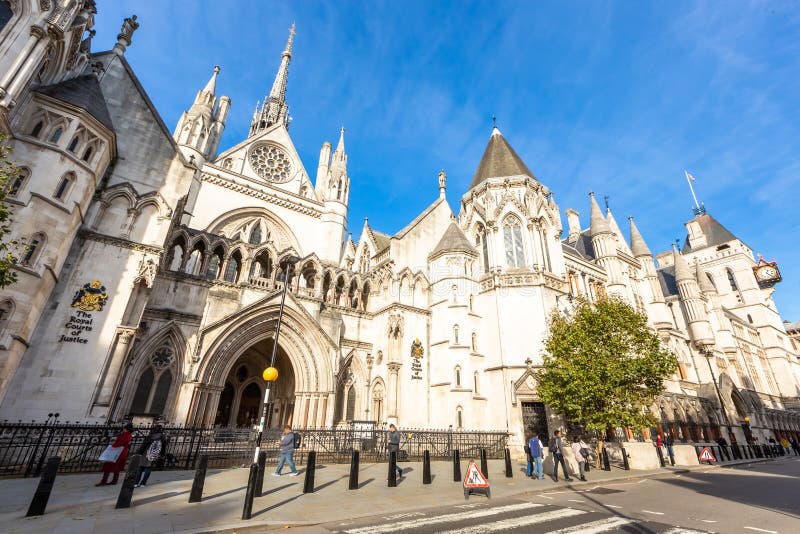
(77, 506)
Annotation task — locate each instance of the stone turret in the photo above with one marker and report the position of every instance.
(689, 292)
(604, 243)
(657, 309)
(200, 128)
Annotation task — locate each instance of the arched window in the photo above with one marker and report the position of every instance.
(33, 249)
(377, 401)
(5, 13)
(87, 155)
(212, 269)
(459, 418)
(177, 258)
(6, 311)
(37, 128)
(732, 280)
(483, 245)
(512, 241)
(56, 135)
(73, 144)
(232, 269)
(194, 262)
(255, 235)
(475, 389)
(458, 376)
(155, 382)
(64, 186)
(350, 413)
(455, 334)
(19, 181)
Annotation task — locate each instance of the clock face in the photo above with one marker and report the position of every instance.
(767, 273)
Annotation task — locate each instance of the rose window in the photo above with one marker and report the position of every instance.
(162, 358)
(270, 163)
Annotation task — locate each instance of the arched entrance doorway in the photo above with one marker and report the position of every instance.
(241, 400)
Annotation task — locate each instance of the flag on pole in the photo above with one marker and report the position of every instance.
(689, 176)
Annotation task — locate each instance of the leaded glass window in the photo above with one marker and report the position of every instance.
(512, 242)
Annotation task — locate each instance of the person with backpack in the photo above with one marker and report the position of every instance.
(581, 452)
(153, 448)
(556, 447)
(287, 447)
(537, 454)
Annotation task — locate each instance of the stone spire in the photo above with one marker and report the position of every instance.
(682, 271)
(275, 109)
(638, 246)
(615, 229)
(597, 223)
(706, 287)
(200, 128)
(211, 86)
(339, 159)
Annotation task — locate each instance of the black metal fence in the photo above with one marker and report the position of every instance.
(24, 448)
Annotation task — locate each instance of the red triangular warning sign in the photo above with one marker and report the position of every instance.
(706, 456)
(475, 478)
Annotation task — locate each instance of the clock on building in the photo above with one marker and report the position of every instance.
(766, 272)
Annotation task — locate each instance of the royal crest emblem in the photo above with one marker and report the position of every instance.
(417, 351)
(91, 297)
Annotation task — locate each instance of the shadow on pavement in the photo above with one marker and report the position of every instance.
(277, 504)
(221, 493)
(161, 496)
(366, 482)
(273, 490)
(334, 481)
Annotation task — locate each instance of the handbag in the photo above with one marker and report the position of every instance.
(111, 454)
(585, 453)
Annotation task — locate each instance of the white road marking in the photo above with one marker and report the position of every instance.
(576, 500)
(517, 522)
(762, 530)
(613, 506)
(652, 512)
(678, 530)
(403, 516)
(708, 521)
(447, 518)
(597, 526)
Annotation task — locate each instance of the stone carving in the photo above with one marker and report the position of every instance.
(147, 272)
(91, 297)
(129, 25)
(396, 325)
(125, 335)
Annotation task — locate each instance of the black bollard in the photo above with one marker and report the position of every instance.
(661, 456)
(606, 461)
(354, 471)
(42, 495)
(625, 464)
(456, 466)
(509, 473)
(196, 495)
(392, 469)
(484, 464)
(262, 463)
(126, 491)
(311, 468)
(426, 467)
(247, 511)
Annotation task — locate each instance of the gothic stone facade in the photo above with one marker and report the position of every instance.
(154, 271)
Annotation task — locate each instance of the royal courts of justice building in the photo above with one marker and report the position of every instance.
(152, 280)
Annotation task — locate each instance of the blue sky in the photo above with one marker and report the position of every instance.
(614, 97)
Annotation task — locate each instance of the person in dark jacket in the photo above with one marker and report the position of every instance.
(393, 445)
(556, 446)
(152, 450)
(113, 468)
(537, 454)
(287, 453)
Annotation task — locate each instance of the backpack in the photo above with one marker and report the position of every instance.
(585, 452)
(154, 450)
(297, 439)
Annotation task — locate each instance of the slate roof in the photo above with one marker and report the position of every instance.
(715, 233)
(381, 240)
(453, 240)
(582, 246)
(83, 92)
(666, 277)
(499, 160)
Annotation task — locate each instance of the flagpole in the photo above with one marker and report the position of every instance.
(689, 181)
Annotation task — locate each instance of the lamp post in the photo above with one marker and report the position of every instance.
(270, 373)
(708, 352)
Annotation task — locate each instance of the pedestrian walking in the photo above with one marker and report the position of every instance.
(669, 442)
(537, 454)
(287, 446)
(795, 446)
(556, 447)
(526, 447)
(153, 450)
(581, 452)
(119, 448)
(393, 445)
(785, 444)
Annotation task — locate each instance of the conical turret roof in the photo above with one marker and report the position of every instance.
(597, 223)
(453, 240)
(638, 246)
(499, 160)
(703, 280)
(682, 271)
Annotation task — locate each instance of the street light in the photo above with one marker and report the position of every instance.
(708, 352)
(270, 373)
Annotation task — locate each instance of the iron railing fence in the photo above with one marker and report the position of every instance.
(24, 447)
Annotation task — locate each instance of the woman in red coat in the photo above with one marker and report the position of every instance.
(124, 441)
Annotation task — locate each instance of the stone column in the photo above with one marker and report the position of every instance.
(394, 368)
(118, 354)
(35, 36)
(536, 251)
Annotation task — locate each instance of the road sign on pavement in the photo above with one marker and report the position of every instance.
(475, 482)
(706, 456)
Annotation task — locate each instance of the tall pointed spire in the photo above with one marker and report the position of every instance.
(211, 86)
(340, 146)
(706, 286)
(638, 246)
(682, 271)
(597, 223)
(275, 109)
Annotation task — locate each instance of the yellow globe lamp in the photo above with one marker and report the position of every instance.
(270, 374)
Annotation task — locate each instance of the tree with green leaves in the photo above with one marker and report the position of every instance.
(9, 248)
(603, 366)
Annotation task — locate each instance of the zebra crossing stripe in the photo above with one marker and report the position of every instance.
(678, 530)
(516, 522)
(603, 525)
(447, 518)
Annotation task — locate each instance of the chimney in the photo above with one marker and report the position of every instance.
(574, 222)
